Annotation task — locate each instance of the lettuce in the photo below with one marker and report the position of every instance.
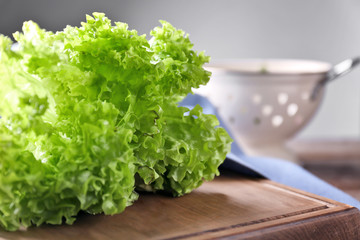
(90, 114)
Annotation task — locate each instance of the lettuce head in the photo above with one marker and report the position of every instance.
(90, 115)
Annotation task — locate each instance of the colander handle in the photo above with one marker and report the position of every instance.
(336, 71)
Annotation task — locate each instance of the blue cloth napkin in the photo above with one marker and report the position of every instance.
(277, 170)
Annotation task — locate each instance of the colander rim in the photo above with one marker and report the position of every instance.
(227, 66)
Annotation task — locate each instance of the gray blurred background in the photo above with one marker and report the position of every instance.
(326, 30)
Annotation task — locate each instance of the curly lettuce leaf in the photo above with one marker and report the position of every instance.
(90, 113)
(57, 162)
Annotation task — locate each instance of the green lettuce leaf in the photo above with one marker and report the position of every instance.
(90, 114)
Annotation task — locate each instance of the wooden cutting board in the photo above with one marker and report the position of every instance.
(230, 207)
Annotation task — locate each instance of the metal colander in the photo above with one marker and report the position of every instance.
(265, 102)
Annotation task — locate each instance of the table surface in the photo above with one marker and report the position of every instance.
(337, 161)
(230, 207)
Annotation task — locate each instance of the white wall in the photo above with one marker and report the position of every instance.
(325, 30)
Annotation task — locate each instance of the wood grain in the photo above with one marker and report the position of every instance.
(229, 207)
